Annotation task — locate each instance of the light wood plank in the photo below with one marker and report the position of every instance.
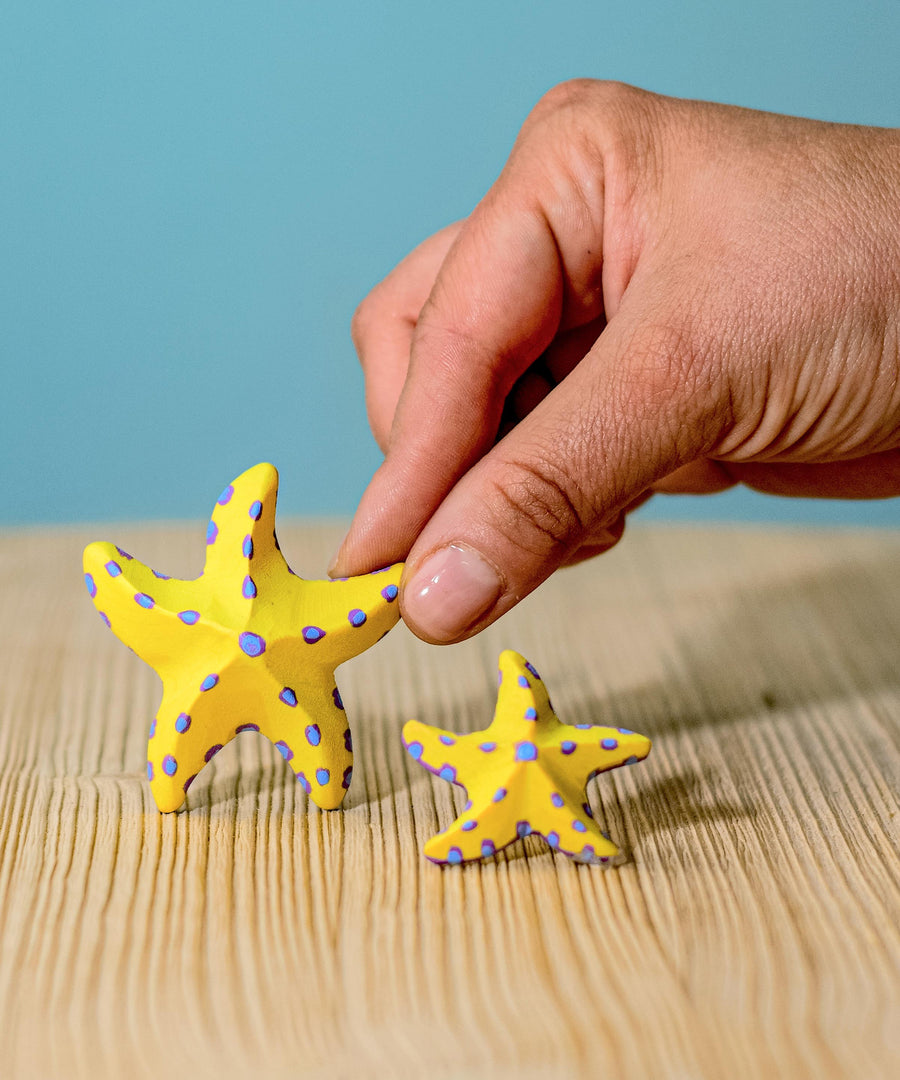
(753, 929)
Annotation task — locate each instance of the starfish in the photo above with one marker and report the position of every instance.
(524, 774)
(247, 646)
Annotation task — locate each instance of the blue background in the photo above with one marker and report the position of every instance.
(194, 196)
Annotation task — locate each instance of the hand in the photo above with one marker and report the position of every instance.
(655, 295)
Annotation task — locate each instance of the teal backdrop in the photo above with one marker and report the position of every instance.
(194, 196)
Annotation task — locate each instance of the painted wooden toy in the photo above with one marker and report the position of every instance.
(247, 646)
(524, 774)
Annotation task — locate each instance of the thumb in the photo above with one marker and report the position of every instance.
(629, 414)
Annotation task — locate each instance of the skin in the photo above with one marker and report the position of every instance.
(656, 295)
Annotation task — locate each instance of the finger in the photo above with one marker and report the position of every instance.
(527, 263)
(384, 323)
(494, 309)
(625, 417)
(556, 362)
(875, 476)
(703, 477)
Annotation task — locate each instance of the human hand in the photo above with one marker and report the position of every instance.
(664, 295)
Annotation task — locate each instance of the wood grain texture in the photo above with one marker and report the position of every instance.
(752, 931)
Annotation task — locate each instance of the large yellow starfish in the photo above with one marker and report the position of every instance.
(247, 646)
(525, 774)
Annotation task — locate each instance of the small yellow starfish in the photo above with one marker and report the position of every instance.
(525, 774)
(247, 646)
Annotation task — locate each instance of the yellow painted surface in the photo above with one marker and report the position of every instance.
(246, 647)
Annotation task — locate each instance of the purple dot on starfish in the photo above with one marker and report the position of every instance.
(112, 568)
(248, 589)
(246, 727)
(182, 723)
(356, 617)
(609, 744)
(487, 747)
(557, 799)
(212, 531)
(312, 634)
(304, 783)
(252, 644)
(144, 600)
(348, 776)
(170, 765)
(348, 741)
(468, 826)
(526, 751)
(149, 770)
(152, 729)
(313, 735)
(189, 618)
(247, 547)
(162, 577)
(282, 747)
(91, 585)
(389, 592)
(209, 682)
(586, 807)
(523, 829)
(582, 727)
(288, 696)
(579, 826)
(123, 553)
(633, 760)
(523, 682)
(336, 698)
(212, 751)
(255, 510)
(500, 794)
(225, 497)
(415, 749)
(553, 839)
(105, 618)
(487, 847)
(499, 677)
(531, 714)
(188, 782)
(454, 856)
(448, 740)
(447, 773)
(532, 669)
(567, 746)
(322, 776)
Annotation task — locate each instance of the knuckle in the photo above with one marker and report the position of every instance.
(673, 375)
(361, 324)
(539, 509)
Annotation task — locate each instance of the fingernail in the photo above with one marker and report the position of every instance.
(450, 592)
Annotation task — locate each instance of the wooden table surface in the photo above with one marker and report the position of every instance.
(752, 930)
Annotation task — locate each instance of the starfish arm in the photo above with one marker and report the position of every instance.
(153, 615)
(345, 617)
(241, 530)
(586, 750)
(310, 730)
(437, 750)
(196, 718)
(522, 698)
(483, 828)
